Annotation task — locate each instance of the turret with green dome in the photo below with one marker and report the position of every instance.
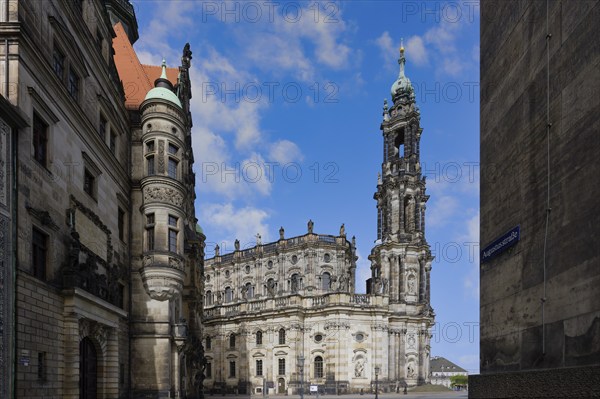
(163, 88)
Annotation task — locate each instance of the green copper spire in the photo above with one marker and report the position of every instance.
(402, 85)
(163, 75)
(163, 88)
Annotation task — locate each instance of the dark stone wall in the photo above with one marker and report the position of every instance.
(575, 382)
(514, 165)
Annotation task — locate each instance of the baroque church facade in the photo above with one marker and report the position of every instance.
(102, 256)
(284, 315)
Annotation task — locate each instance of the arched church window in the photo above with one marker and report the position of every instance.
(208, 298)
(228, 294)
(249, 290)
(318, 365)
(282, 336)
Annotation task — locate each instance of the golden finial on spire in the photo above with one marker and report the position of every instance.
(401, 45)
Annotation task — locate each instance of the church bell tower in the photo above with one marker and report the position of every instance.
(401, 259)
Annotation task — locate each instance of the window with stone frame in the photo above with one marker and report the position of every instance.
(58, 63)
(259, 368)
(281, 366)
(121, 223)
(259, 338)
(232, 369)
(326, 281)
(40, 140)
(39, 253)
(318, 367)
(150, 165)
(208, 298)
(282, 336)
(208, 370)
(232, 341)
(73, 84)
(89, 183)
(172, 240)
(150, 233)
(173, 164)
(228, 295)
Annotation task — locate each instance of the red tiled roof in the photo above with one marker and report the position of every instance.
(137, 79)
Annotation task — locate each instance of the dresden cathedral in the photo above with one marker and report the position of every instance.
(105, 289)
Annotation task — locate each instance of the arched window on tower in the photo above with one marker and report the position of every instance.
(228, 295)
(208, 298)
(399, 143)
(318, 366)
(282, 336)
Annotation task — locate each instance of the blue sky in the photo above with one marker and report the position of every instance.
(287, 104)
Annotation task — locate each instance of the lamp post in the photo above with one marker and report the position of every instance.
(376, 382)
(301, 367)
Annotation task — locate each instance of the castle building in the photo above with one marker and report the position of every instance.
(282, 315)
(101, 253)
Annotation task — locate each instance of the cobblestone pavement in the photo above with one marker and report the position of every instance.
(419, 395)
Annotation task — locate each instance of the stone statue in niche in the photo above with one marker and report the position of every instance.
(410, 215)
(245, 292)
(271, 287)
(410, 370)
(359, 368)
(343, 282)
(412, 284)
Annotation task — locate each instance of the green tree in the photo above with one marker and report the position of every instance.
(459, 380)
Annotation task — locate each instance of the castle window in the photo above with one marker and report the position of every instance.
(121, 224)
(208, 298)
(281, 366)
(58, 61)
(73, 85)
(173, 168)
(150, 231)
(40, 140)
(150, 165)
(173, 221)
(112, 144)
(318, 366)
(259, 368)
(228, 294)
(150, 146)
(172, 240)
(89, 183)
(282, 336)
(232, 341)
(208, 343)
(102, 126)
(259, 338)
(173, 149)
(39, 253)
(249, 291)
(232, 369)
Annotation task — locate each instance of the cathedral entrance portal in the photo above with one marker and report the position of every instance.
(88, 370)
(281, 385)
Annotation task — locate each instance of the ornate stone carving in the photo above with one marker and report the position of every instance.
(161, 156)
(163, 194)
(162, 283)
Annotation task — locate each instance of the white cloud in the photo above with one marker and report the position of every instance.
(227, 223)
(442, 210)
(415, 47)
(284, 152)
